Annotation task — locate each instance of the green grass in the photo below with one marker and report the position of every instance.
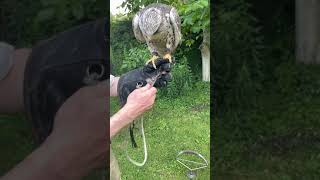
(15, 141)
(279, 138)
(171, 126)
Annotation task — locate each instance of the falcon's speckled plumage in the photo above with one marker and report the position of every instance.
(158, 25)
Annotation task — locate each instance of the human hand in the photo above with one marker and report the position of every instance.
(128, 82)
(140, 100)
(163, 68)
(79, 138)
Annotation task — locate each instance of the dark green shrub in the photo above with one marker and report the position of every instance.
(26, 22)
(134, 57)
(122, 39)
(296, 80)
(237, 50)
(182, 80)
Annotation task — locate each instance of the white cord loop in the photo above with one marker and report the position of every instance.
(144, 149)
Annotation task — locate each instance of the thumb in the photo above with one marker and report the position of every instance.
(146, 87)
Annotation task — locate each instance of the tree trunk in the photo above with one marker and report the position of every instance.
(205, 53)
(308, 31)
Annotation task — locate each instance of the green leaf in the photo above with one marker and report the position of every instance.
(195, 29)
(189, 42)
(187, 20)
(204, 3)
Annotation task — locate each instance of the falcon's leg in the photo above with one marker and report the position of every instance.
(155, 56)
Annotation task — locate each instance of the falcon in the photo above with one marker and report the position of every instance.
(158, 25)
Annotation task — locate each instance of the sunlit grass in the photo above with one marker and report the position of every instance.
(171, 126)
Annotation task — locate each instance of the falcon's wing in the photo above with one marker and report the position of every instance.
(136, 29)
(176, 24)
(150, 21)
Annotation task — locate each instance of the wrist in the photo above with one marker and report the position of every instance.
(121, 119)
(131, 111)
(61, 159)
(42, 163)
(56, 159)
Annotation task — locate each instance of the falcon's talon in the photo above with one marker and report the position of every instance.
(168, 56)
(152, 60)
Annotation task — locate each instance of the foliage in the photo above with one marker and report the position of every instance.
(133, 6)
(274, 122)
(195, 16)
(297, 80)
(278, 135)
(134, 58)
(182, 80)
(238, 46)
(121, 38)
(27, 22)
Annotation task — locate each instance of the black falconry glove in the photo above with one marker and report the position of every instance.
(140, 77)
(60, 66)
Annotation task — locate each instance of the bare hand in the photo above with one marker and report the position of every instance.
(80, 132)
(140, 100)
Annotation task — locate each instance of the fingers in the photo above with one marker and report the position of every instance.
(152, 91)
(146, 87)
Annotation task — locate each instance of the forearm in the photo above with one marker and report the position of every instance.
(54, 159)
(121, 119)
(40, 164)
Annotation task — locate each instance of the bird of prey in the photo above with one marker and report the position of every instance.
(158, 25)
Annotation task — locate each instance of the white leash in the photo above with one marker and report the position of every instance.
(150, 81)
(144, 149)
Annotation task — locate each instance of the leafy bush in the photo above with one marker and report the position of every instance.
(27, 22)
(237, 47)
(182, 80)
(287, 77)
(134, 57)
(122, 39)
(298, 81)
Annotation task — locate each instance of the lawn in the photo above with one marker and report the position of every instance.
(171, 126)
(15, 141)
(279, 138)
